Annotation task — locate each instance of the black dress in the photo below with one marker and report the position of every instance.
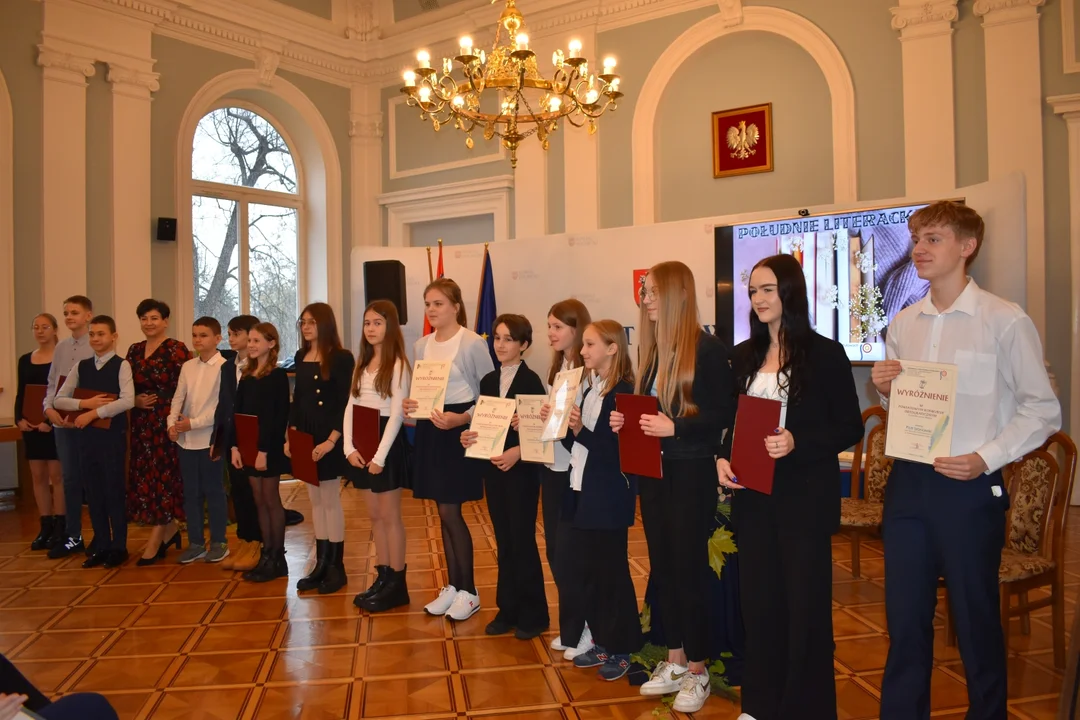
(268, 399)
(319, 405)
(39, 445)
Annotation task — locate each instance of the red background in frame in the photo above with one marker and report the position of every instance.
(761, 160)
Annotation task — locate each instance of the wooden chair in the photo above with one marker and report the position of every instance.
(1040, 485)
(861, 513)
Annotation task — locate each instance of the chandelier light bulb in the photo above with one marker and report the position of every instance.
(554, 104)
(410, 78)
(483, 57)
(590, 97)
(575, 48)
(459, 101)
(521, 41)
(609, 64)
(425, 94)
(424, 58)
(466, 46)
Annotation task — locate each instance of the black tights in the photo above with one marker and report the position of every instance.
(457, 546)
(271, 511)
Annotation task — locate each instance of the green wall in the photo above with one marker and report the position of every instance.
(321, 8)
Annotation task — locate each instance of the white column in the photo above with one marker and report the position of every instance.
(131, 224)
(582, 152)
(1069, 107)
(63, 175)
(929, 121)
(1014, 106)
(365, 154)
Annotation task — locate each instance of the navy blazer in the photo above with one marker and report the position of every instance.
(223, 413)
(608, 498)
(525, 382)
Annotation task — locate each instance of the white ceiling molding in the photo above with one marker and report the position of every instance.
(363, 49)
(486, 196)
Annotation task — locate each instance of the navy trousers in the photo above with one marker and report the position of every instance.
(936, 527)
(103, 474)
(511, 499)
(67, 450)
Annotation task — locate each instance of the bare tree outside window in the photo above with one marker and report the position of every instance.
(245, 245)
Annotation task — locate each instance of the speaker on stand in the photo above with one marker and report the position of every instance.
(385, 280)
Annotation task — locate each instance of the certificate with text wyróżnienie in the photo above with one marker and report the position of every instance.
(490, 421)
(922, 405)
(562, 398)
(530, 428)
(428, 387)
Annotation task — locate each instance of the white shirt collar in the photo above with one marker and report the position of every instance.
(967, 302)
(100, 360)
(216, 360)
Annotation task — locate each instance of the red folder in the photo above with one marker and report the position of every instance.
(85, 394)
(33, 405)
(247, 437)
(756, 419)
(639, 454)
(301, 446)
(365, 431)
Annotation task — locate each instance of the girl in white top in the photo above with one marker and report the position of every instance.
(441, 471)
(379, 382)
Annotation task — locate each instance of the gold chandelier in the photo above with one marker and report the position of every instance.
(528, 103)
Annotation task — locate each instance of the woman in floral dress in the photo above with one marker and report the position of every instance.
(155, 490)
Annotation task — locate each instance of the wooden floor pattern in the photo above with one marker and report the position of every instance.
(170, 642)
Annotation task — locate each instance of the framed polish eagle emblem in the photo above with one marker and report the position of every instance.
(742, 141)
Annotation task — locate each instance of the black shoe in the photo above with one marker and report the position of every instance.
(335, 577)
(116, 558)
(92, 547)
(70, 545)
(263, 572)
(313, 578)
(280, 565)
(163, 550)
(380, 580)
(394, 593)
(59, 531)
(97, 559)
(146, 561)
(498, 626)
(41, 542)
(524, 634)
(293, 517)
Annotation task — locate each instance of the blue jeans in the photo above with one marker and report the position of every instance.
(67, 450)
(204, 480)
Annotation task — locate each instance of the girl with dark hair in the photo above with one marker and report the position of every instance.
(264, 392)
(442, 473)
(380, 381)
(688, 371)
(324, 370)
(784, 538)
(155, 489)
(513, 489)
(38, 439)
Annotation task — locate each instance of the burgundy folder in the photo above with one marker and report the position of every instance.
(639, 454)
(755, 420)
(33, 405)
(365, 431)
(301, 445)
(85, 394)
(247, 438)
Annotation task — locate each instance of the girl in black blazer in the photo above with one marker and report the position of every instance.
(601, 507)
(688, 371)
(512, 489)
(784, 540)
(264, 392)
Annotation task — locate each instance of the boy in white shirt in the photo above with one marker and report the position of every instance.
(191, 424)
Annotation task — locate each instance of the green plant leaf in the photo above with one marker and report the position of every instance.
(646, 618)
(720, 544)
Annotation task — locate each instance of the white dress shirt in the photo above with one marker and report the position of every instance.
(388, 407)
(590, 413)
(767, 385)
(1005, 406)
(506, 378)
(196, 398)
(124, 402)
(562, 455)
(69, 352)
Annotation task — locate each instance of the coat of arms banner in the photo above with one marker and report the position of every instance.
(742, 141)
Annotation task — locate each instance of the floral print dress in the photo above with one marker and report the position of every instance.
(155, 490)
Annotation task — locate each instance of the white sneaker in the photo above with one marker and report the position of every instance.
(464, 606)
(744, 716)
(557, 645)
(666, 678)
(585, 644)
(693, 693)
(441, 604)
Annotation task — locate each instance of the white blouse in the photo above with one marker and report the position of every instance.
(767, 386)
(562, 455)
(590, 412)
(390, 407)
(506, 378)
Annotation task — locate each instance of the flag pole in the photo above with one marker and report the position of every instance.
(430, 276)
(480, 293)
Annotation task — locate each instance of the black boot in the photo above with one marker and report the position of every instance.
(280, 565)
(41, 542)
(394, 593)
(59, 531)
(335, 577)
(313, 578)
(380, 580)
(264, 571)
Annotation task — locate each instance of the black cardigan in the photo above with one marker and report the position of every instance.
(825, 421)
(525, 382)
(608, 498)
(319, 402)
(713, 390)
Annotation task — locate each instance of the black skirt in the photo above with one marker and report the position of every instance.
(441, 472)
(395, 474)
(39, 445)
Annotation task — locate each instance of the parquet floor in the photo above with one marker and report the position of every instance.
(196, 642)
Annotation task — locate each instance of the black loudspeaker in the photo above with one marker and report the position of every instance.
(166, 229)
(385, 280)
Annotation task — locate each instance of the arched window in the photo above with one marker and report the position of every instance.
(245, 222)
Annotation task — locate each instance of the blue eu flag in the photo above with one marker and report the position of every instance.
(485, 307)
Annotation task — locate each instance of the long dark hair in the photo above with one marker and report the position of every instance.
(327, 338)
(795, 334)
(572, 313)
(391, 354)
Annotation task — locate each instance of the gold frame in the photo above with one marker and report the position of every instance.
(718, 116)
